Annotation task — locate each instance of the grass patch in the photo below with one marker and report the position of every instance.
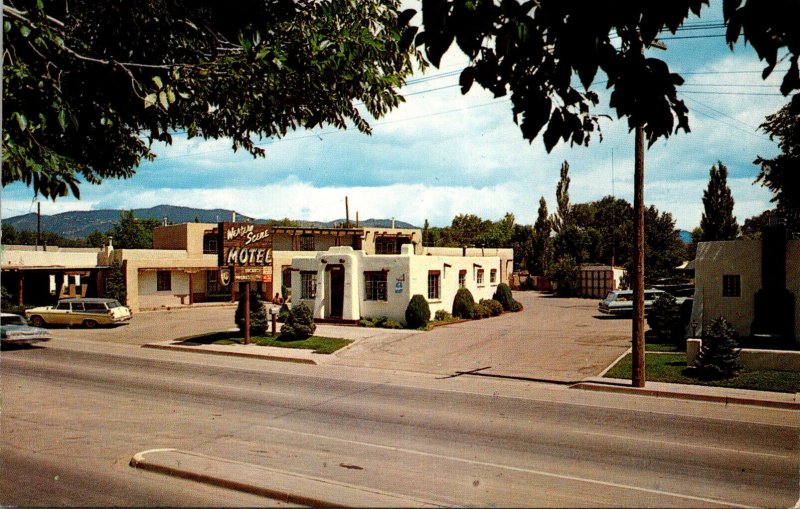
(661, 347)
(318, 344)
(671, 368)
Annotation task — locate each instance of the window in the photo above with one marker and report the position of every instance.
(307, 243)
(480, 276)
(434, 285)
(286, 276)
(163, 281)
(209, 243)
(462, 278)
(63, 306)
(77, 306)
(308, 280)
(95, 307)
(493, 276)
(731, 285)
(375, 286)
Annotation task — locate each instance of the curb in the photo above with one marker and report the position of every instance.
(278, 485)
(267, 357)
(728, 400)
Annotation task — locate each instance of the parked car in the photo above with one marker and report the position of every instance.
(620, 302)
(14, 329)
(89, 312)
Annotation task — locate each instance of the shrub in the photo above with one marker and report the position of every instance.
(442, 315)
(494, 307)
(503, 296)
(299, 324)
(258, 315)
(565, 274)
(391, 324)
(283, 313)
(481, 311)
(463, 304)
(516, 306)
(664, 319)
(418, 312)
(719, 355)
(366, 322)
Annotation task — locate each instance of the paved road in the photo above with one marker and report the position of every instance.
(77, 408)
(551, 339)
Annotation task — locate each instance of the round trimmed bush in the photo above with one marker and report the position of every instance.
(516, 306)
(418, 312)
(503, 296)
(463, 304)
(299, 324)
(494, 307)
(258, 315)
(481, 311)
(664, 319)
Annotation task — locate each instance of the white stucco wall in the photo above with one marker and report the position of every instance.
(406, 276)
(150, 297)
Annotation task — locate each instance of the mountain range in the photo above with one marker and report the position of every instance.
(80, 223)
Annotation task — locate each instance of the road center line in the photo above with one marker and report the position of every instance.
(702, 500)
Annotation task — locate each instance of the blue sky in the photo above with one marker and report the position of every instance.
(441, 154)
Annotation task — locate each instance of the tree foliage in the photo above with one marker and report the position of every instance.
(132, 233)
(299, 324)
(259, 321)
(543, 248)
(89, 86)
(28, 238)
(561, 219)
(781, 174)
(718, 221)
(533, 49)
(115, 286)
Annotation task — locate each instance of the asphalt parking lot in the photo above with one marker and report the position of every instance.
(551, 339)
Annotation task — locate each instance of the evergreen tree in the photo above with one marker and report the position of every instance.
(258, 315)
(426, 233)
(719, 355)
(115, 287)
(542, 242)
(718, 222)
(132, 233)
(561, 219)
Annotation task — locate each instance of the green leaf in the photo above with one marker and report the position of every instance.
(62, 119)
(158, 82)
(150, 100)
(25, 31)
(162, 98)
(170, 95)
(22, 121)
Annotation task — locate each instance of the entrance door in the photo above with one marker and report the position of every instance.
(337, 290)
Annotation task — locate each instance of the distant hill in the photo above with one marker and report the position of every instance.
(79, 224)
(685, 236)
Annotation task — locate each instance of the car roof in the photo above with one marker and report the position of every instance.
(8, 315)
(625, 292)
(87, 299)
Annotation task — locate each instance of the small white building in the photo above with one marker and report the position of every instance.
(342, 284)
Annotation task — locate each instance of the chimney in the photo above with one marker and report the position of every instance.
(233, 217)
(392, 222)
(164, 223)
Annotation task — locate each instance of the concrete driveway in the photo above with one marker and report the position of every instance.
(551, 339)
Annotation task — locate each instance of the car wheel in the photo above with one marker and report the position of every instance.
(89, 324)
(37, 321)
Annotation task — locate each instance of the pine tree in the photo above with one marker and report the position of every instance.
(561, 219)
(718, 222)
(115, 286)
(719, 355)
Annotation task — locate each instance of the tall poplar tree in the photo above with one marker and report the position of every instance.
(562, 216)
(718, 221)
(542, 243)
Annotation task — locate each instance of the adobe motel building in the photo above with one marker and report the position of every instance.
(383, 269)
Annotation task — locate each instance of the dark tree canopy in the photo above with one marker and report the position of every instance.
(561, 219)
(88, 86)
(781, 174)
(532, 49)
(718, 221)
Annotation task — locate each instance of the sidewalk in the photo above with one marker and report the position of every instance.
(275, 484)
(694, 392)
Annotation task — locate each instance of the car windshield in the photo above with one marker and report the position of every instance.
(114, 304)
(13, 320)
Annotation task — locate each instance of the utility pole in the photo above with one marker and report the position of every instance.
(346, 212)
(38, 224)
(637, 334)
(638, 377)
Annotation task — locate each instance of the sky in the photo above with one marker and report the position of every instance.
(442, 153)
